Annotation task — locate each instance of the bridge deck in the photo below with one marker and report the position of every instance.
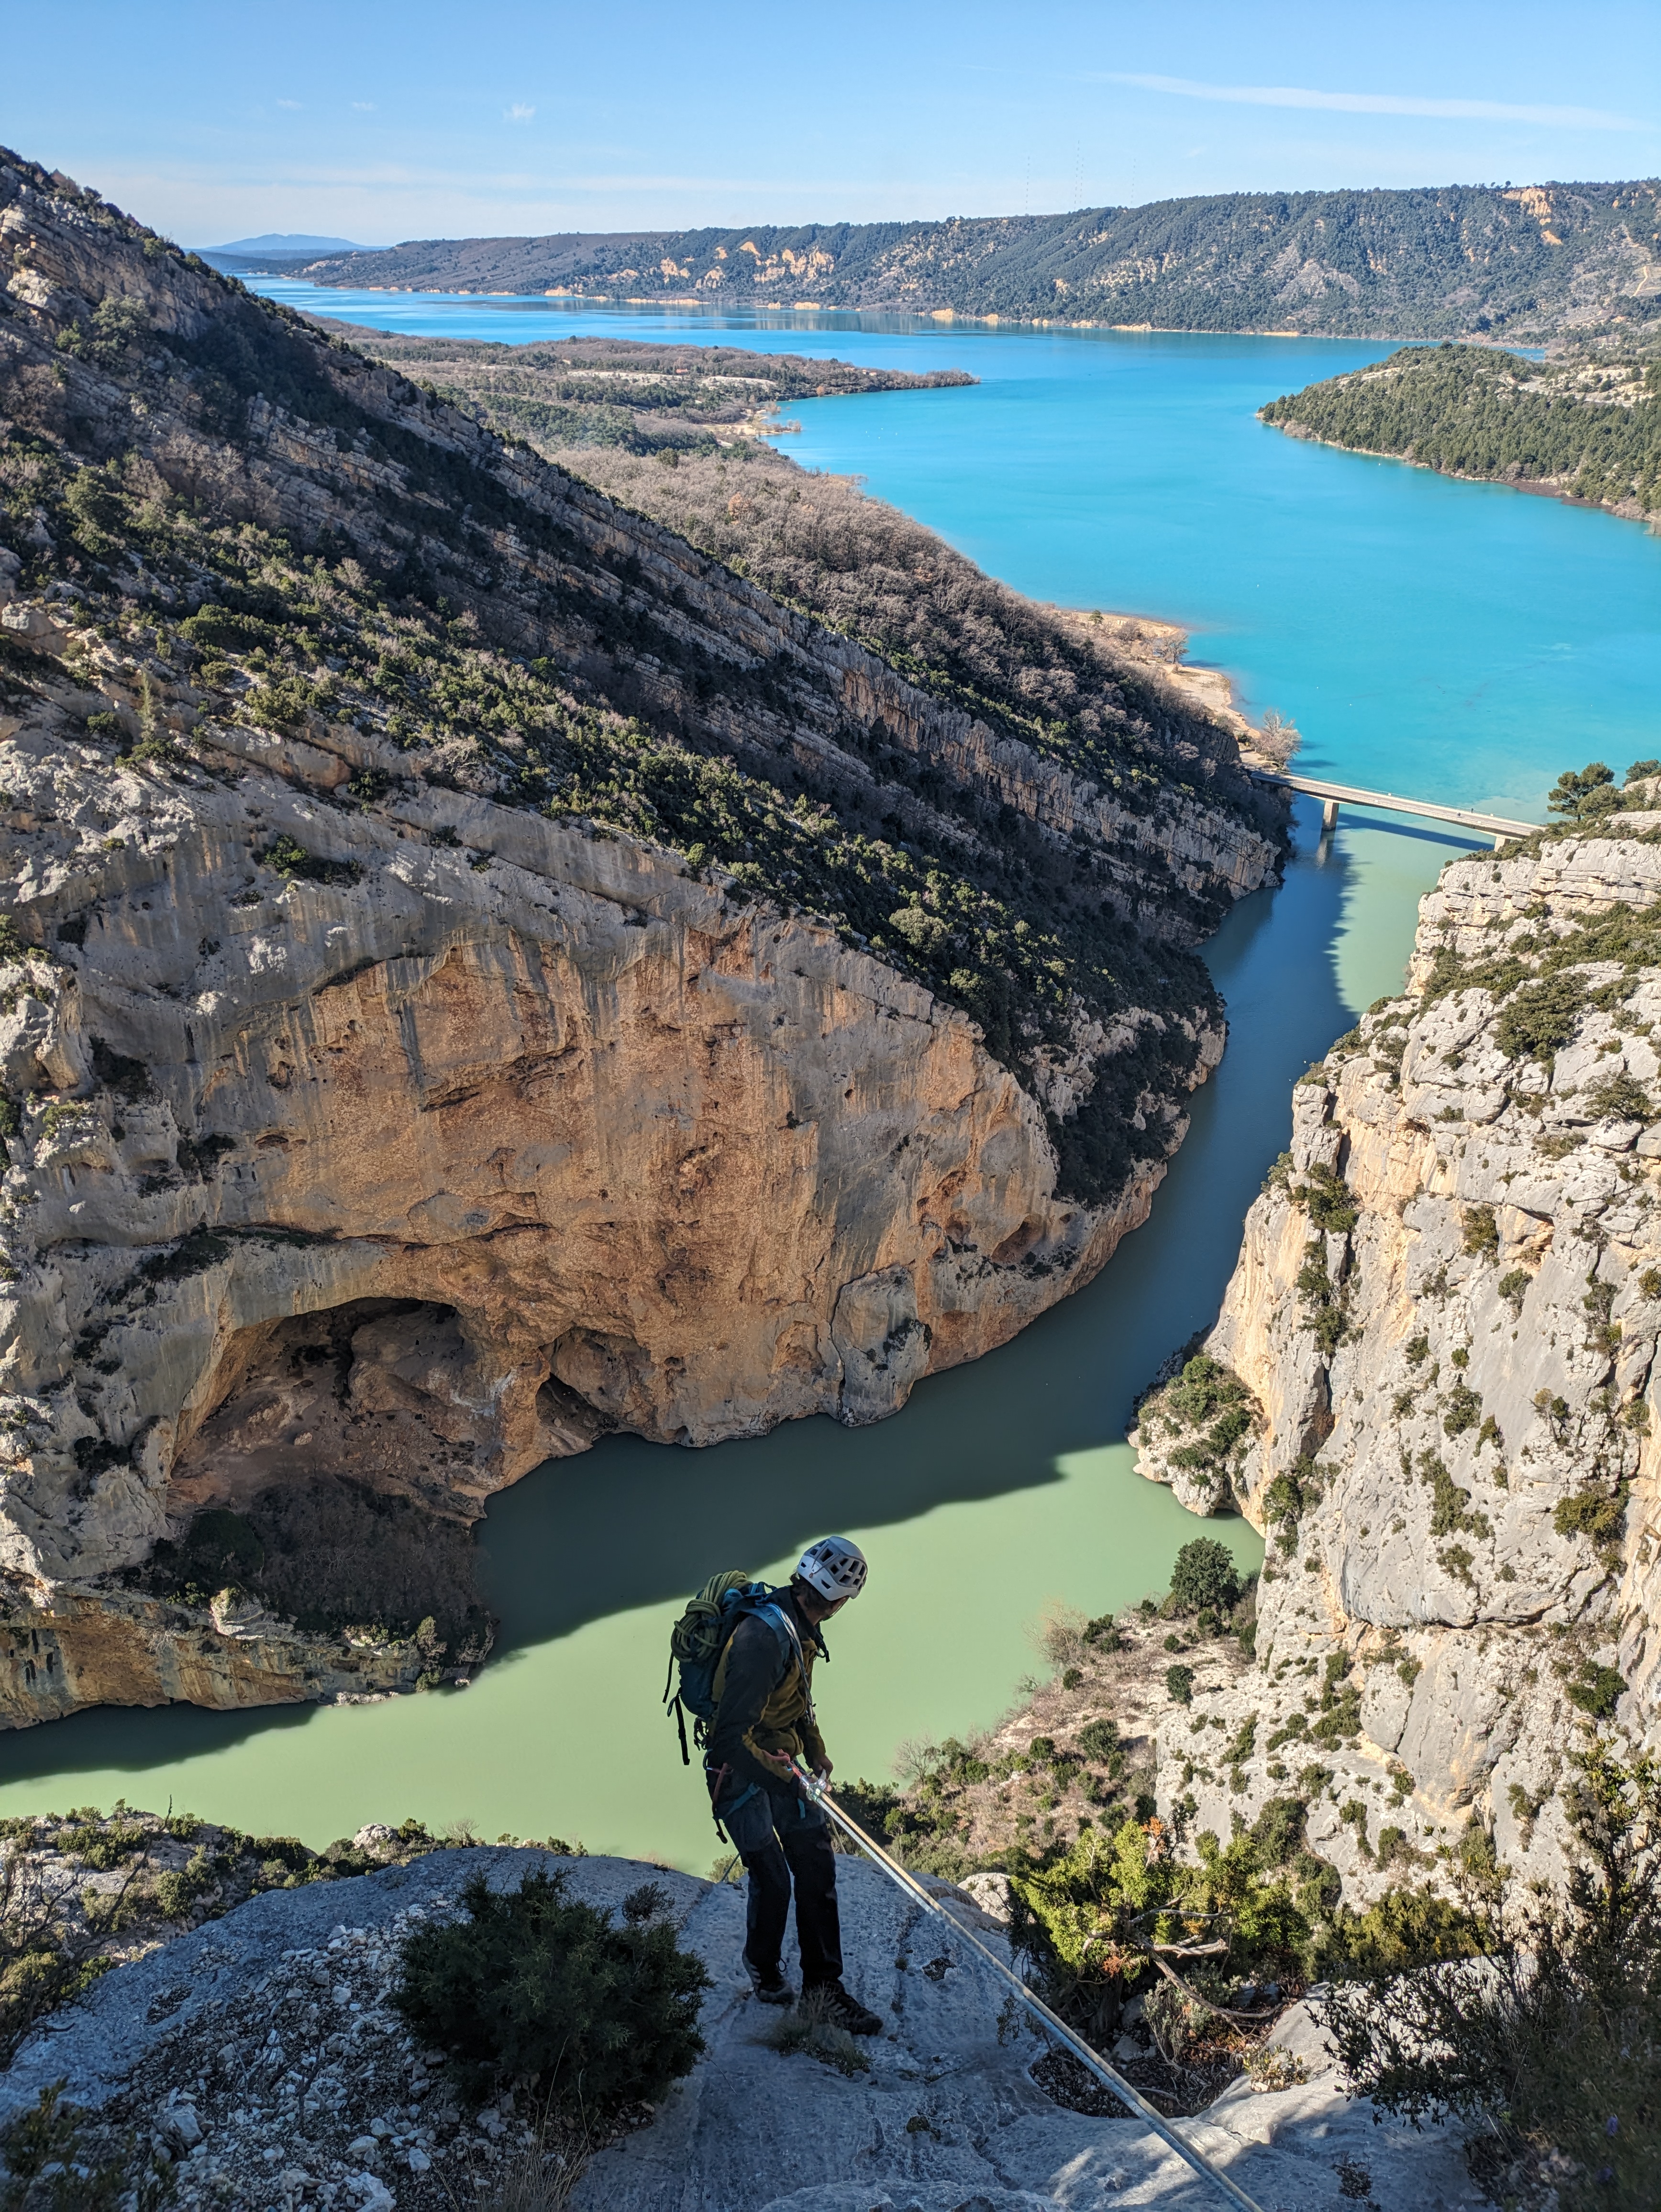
(1487, 825)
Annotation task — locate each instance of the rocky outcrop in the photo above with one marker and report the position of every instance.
(478, 973)
(262, 2054)
(1443, 1318)
(430, 1175)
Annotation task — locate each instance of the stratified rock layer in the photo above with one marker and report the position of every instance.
(1445, 1310)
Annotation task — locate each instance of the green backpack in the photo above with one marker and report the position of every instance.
(700, 1635)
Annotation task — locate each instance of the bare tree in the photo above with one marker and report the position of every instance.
(1278, 738)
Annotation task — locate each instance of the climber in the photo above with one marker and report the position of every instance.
(764, 1716)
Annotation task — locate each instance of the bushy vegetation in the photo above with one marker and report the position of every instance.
(60, 2159)
(1125, 1908)
(58, 1934)
(533, 1986)
(1208, 1403)
(1591, 425)
(1549, 2048)
(1417, 262)
(1204, 1578)
(646, 397)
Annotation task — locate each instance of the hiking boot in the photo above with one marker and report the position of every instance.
(846, 2012)
(771, 1986)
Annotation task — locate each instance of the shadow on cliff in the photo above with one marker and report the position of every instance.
(632, 1524)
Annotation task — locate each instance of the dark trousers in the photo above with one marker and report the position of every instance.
(781, 1839)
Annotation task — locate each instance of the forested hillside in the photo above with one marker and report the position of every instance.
(623, 391)
(1588, 427)
(588, 693)
(1426, 263)
(816, 542)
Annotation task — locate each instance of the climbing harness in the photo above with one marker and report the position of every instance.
(815, 1789)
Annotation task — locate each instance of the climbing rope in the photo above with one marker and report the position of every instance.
(1172, 2137)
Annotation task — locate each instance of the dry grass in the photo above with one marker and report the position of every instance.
(808, 2027)
(539, 2176)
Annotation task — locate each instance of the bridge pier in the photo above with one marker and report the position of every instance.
(1328, 814)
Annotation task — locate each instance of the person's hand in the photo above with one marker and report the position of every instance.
(778, 1760)
(826, 1768)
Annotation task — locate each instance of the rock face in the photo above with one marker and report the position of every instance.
(1445, 1313)
(434, 1029)
(262, 2050)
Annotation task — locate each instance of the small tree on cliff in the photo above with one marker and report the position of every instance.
(1205, 1577)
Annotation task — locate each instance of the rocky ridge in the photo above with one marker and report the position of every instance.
(459, 939)
(261, 2059)
(1425, 261)
(1438, 1344)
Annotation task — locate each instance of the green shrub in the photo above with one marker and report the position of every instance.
(1323, 1302)
(224, 631)
(1405, 1930)
(1619, 1098)
(286, 858)
(534, 1986)
(1099, 1741)
(61, 2160)
(1598, 1692)
(1205, 1576)
(1541, 1019)
(1482, 1231)
(178, 1890)
(1329, 1201)
(1091, 1916)
(1547, 2050)
(1179, 1681)
(1594, 1514)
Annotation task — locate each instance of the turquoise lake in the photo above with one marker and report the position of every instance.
(1452, 641)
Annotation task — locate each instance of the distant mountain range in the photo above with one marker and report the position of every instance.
(290, 241)
(1459, 260)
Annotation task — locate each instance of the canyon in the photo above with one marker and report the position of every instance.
(478, 973)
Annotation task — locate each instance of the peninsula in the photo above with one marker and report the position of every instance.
(1584, 424)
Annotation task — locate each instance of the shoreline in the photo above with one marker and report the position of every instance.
(1536, 487)
(942, 315)
(1163, 648)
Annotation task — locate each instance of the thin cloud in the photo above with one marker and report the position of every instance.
(520, 111)
(288, 103)
(1370, 103)
(364, 107)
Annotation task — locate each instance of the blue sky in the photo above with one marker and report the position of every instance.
(379, 122)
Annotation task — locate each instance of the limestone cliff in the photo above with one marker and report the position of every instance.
(1443, 1318)
(477, 973)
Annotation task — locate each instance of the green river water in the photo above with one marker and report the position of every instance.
(1458, 642)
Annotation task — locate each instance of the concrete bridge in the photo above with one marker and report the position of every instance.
(1332, 794)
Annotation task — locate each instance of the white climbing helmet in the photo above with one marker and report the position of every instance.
(834, 1567)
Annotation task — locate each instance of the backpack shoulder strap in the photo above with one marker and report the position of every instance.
(782, 1627)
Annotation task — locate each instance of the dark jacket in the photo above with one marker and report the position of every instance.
(765, 1699)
